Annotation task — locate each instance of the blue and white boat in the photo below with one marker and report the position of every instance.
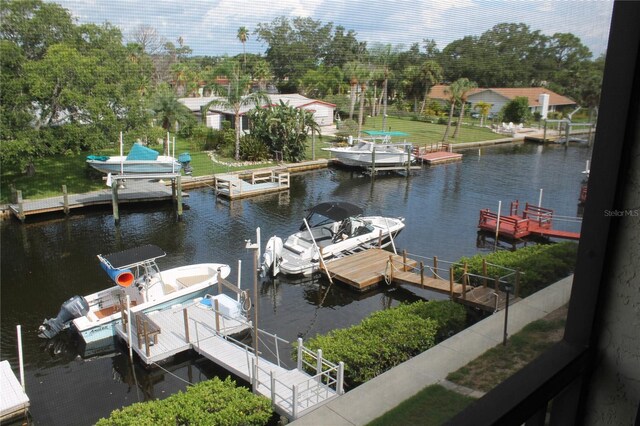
(141, 160)
(137, 276)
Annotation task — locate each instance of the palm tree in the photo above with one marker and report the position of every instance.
(262, 73)
(431, 73)
(453, 92)
(168, 111)
(363, 77)
(483, 108)
(243, 35)
(351, 70)
(465, 86)
(236, 97)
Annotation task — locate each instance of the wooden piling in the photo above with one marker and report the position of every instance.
(404, 261)
(390, 268)
(435, 266)
(179, 190)
(422, 274)
(65, 199)
(114, 201)
(21, 215)
(186, 324)
(217, 307)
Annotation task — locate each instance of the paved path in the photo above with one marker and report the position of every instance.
(372, 399)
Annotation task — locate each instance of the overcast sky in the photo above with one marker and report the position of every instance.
(210, 27)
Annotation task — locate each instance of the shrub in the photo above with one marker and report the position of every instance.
(388, 338)
(252, 149)
(541, 265)
(213, 402)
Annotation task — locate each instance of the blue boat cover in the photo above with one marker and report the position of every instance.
(185, 157)
(97, 157)
(382, 133)
(139, 152)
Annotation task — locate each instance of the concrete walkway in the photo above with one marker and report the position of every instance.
(372, 399)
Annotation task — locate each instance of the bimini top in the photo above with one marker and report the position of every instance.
(337, 210)
(132, 257)
(381, 133)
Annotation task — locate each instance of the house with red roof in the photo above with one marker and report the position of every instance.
(541, 99)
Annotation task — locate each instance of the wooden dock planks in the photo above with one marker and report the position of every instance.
(440, 157)
(14, 401)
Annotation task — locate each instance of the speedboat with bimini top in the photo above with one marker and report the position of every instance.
(148, 289)
(330, 230)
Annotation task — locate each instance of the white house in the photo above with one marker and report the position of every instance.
(541, 99)
(323, 112)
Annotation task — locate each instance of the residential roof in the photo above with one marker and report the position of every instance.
(293, 99)
(532, 93)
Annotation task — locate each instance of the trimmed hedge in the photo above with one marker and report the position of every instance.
(213, 402)
(389, 337)
(541, 265)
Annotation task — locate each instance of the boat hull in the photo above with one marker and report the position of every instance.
(350, 156)
(118, 165)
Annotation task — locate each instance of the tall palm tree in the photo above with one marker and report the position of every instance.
(363, 77)
(351, 71)
(262, 73)
(236, 97)
(243, 35)
(465, 86)
(453, 93)
(430, 73)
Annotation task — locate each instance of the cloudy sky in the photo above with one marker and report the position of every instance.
(210, 27)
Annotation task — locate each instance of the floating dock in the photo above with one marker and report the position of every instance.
(367, 269)
(533, 222)
(14, 402)
(293, 392)
(232, 186)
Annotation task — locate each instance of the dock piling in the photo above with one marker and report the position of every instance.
(186, 324)
(65, 199)
(21, 215)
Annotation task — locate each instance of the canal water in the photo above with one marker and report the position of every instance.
(47, 261)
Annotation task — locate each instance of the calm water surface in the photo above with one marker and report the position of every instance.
(46, 262)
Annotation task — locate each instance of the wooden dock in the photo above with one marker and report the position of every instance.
(134, 191)
(533, 222)
(160, 335)
(232, 186)
(439, 153)
(14, 402)
(367, 269)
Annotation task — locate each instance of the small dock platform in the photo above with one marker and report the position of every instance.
(365, 270)
(439, 153)
(293, 392)
(14, 402)
(232, 186)
(534, 221)
(133, 192)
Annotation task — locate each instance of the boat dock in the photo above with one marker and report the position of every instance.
(533, 222)
(134, 191)
(159, 335)
(367, 269)
(232, 186)
(439, 153)
(14, 402)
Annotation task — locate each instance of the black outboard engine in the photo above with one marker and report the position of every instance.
(73, 308)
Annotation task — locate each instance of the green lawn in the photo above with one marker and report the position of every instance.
(433, 405)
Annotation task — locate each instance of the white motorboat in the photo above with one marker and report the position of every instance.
(378, 150)
(137, 276)
(330, 230)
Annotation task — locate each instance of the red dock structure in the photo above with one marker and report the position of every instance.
(534, 221)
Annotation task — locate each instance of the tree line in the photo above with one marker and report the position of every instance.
(68, 87)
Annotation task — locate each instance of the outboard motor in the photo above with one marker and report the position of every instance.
(271, 257)
(73, 308)
(185, 160)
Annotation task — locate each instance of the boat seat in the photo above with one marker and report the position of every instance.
(191, 280)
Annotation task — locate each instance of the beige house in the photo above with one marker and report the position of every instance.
(323, 112)
(541, 99)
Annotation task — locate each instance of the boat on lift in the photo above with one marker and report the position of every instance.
(138, 278)
(377, 149)
(330, 230)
